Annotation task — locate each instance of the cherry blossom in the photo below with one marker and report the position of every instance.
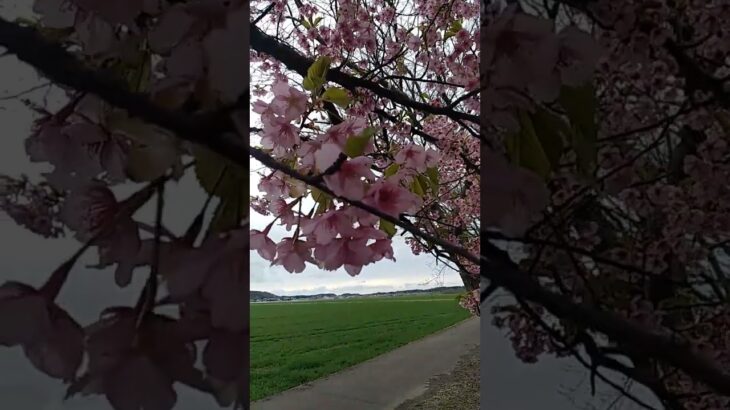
(391, 199)
(292, 254)
(347, 181)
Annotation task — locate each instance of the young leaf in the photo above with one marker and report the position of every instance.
(229, 213)
(452, 30)
(553, 134)
(425, 182)
(355, 145)
(317, 73)
(319, 67)
(319, 196)
(525, 149)
(337, 95)
(391, 170)
(153, 149)
(208, 168)
(148, 162)
(416, 187)
(433, 175)
(387, 227)
(308, 84)
(580, 104)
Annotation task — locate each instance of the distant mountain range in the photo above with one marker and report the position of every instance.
(259, 296)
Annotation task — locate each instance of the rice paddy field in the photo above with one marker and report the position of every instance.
(296, 342)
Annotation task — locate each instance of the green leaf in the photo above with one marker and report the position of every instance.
(148, 162)
(319, 68)
(553, 134)
(391, 170)
(306, 24)
(229, 213)
(425, 183)
(581, 105)
(355, 145)
(525, 149)
(144, 75)
(322, 200)
(226, 180)
(433, 176)
(317, 73)
(210, 167)
(337, 95)
(322, 207)
(153, 149)
(308, 84)
(387, 227)
(452, 30)
(316, 21)
(416, 187)
(319, 196)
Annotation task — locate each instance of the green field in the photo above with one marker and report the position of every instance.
(296, 342)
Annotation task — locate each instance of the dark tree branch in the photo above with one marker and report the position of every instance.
(267, 44)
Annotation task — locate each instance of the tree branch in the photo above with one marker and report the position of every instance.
(267, 44)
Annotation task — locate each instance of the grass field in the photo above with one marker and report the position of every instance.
(296, 342)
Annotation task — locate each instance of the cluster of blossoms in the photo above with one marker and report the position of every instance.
(186, 56)
(33, 206)
(330, 236)
(405, 164)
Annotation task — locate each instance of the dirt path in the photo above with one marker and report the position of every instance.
(387, 381)
(458, 390)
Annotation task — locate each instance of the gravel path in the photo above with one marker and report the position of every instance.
(458, 390)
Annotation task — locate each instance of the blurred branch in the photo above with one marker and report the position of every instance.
(267, 44)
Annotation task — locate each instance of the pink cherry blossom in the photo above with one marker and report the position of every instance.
(347, 181)
(414, 42)
(326, 228)
(93, 210)
(382, 248)
(24, 317)
(326, 155)
(280, 134)
(289, 101)
(347, 252)
(263, 244)
(391, 198)
(512, 196)
(291, 254)
(413, 156)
